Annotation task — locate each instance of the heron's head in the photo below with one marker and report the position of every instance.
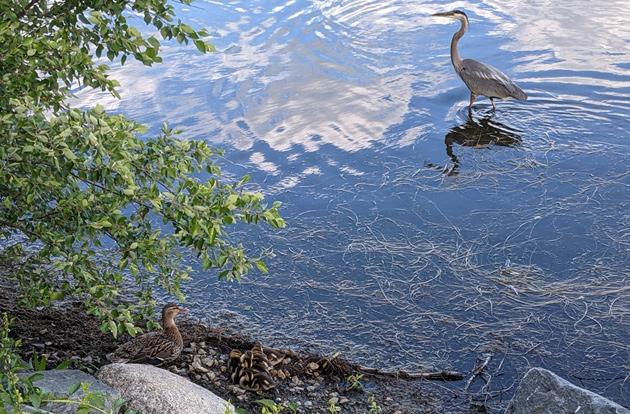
(454, 14)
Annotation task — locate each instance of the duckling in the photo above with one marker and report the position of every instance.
(238, 362)
(155, 348)
(253, 380)
(234, 361)
(255, 359)
(250, 370)
(273, 356)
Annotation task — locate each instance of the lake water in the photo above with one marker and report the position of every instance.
(418, 237)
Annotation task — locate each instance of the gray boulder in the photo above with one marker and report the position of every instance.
(543, 392)
(154, 390)
(57, 382)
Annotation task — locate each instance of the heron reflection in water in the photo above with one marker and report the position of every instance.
(480, 78)
(478, 134)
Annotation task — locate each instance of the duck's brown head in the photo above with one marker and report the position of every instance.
(170, 310)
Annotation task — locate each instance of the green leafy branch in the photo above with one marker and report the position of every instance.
(90, 204)
(17, 391)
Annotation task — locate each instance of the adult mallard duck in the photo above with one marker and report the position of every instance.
(155, 348)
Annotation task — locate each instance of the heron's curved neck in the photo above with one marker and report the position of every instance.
(455, 58)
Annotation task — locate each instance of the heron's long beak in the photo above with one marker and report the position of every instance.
(442, 15)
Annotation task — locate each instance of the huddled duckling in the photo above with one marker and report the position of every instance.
(155, 348)
(250, 370)
(254, 380)
(234, 362)
(273, 356)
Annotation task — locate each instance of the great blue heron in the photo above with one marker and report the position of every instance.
(480, 78)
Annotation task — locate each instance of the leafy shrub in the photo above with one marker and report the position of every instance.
(87, 200)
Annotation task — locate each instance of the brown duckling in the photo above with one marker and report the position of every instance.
(269, 356)
(255, 359)
(274, 356)
(234, 362)
(253, 380)
(250, 370)
(155, 348)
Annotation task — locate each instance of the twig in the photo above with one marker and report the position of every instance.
(431, 376)
(477, 372)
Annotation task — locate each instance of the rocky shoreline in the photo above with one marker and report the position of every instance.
(64, 332)
(312, 383)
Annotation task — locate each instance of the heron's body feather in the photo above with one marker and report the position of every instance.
(481, 79)
(486, 80)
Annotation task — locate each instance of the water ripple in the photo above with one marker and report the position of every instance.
(416, 229)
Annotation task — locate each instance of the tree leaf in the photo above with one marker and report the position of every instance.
(35, 399)
(65, 364)
(72, 388)
(262, 267)
(67, 152)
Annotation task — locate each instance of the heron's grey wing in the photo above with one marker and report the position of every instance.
(486, 80)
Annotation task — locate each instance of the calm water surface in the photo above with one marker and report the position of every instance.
(419, 237)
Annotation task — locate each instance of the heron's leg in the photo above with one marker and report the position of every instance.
(492, 100)
(472, 99)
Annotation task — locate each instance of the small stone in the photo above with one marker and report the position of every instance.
(236, 390)
(197, 377)
(333, 394)
(187, 350)
(311, 388)
(389, 399)
(223, 368)
(201, 351)
(344, 401)
(286, 361)
(173, 369)
(333, 401)
(313, 366)
(308, 403)
(296, 380)
(398, 412)
(207, 361)
(211, 376)
(316, 374)
(196, 365)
